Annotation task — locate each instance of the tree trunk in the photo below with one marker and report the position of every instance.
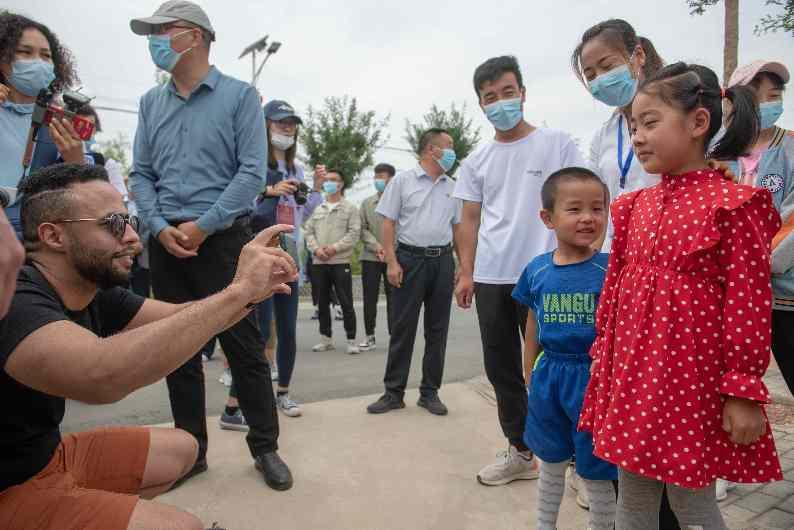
(731, 51)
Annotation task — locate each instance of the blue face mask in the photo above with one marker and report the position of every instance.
(769, 113)
(380, 185)
(504, 114)
(447, 159)
(330, 187)
(163, 55)
(615, 88)
(30, 77)
(88, 145)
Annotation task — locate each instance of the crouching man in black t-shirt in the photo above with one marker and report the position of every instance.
(72, 332)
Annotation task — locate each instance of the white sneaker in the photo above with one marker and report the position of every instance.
(509, 466)
(352, 349)
(575, 483)
(325, 345)
(287, 406)
(723, 486)
(226, 377)
(368, 344)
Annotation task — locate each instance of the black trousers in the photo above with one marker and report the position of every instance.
(315, 291)
(339, 277)
(180, 280)
(502, 325)
(783, 344)
(372, 273)
(427, 282)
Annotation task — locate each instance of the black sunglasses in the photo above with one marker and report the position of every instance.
(115, 222)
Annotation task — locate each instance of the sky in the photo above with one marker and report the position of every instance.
(399, 58)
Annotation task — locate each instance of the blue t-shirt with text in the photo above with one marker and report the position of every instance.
(564, 299)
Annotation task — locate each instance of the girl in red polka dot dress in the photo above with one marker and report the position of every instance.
(683, 328)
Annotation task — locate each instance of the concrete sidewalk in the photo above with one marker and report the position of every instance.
(403, 470)
(410, 470)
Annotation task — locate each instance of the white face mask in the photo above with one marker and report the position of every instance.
(281, 141)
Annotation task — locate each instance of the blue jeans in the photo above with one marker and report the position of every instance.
(286, 308)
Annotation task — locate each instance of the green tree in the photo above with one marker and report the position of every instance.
(781, 21)
(117, 149)
(455, 120)
(342, 136)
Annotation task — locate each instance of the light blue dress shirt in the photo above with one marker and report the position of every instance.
(424, 211)
(14, 129)
(202, 158)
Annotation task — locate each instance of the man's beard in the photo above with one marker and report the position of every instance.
(96, 266)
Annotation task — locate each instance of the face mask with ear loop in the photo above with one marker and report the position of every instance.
(163, 55)
(616, 87)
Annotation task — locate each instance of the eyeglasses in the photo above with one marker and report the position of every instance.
(116, 223)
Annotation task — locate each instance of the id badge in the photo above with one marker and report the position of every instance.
(285, 214)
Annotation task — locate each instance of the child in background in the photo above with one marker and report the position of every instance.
(770, 165)
(561, 290)
(676, 394)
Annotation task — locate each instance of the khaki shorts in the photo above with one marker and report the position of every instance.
(91, 483)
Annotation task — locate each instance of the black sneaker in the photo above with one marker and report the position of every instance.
(199, 467)
(215, 527)
(316, 315)
(433, 405)
(274, 469)
(386, 403)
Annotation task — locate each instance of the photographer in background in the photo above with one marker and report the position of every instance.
(31, 58)
(285, 200)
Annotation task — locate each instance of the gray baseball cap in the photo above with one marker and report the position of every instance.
(169, 12)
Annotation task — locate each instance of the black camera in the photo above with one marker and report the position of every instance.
(301, 195)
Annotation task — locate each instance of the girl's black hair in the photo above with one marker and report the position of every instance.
(11, 28)
(689, 86)
(620, 35)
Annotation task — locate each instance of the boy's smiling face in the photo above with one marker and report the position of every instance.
(579, 214)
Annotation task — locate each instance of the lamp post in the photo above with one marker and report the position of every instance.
(259, 46)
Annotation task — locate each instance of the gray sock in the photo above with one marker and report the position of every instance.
(601, 494)
(551, 486)
(639, 499)
(696, 509)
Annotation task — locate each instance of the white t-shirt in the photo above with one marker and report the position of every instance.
(604, 163)
(506, 179)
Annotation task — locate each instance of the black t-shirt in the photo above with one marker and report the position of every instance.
(29, 419)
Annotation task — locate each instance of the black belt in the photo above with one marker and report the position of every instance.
(239, 222)
(427, 252)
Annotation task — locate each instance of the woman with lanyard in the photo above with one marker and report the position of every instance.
(284, 202)
(611, 61)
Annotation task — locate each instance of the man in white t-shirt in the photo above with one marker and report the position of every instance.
(500, 185)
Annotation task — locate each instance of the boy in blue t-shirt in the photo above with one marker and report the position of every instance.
(561, 289)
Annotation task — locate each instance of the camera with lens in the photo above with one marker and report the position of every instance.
(45, 111)
(301, 195)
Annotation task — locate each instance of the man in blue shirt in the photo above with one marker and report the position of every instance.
(200, 155)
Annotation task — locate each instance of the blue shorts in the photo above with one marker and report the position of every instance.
(554, 402)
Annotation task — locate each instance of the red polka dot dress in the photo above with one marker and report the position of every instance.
(684, 320)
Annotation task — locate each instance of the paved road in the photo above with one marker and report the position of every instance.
(317, 377)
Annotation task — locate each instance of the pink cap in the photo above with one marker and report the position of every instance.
(744, 74)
